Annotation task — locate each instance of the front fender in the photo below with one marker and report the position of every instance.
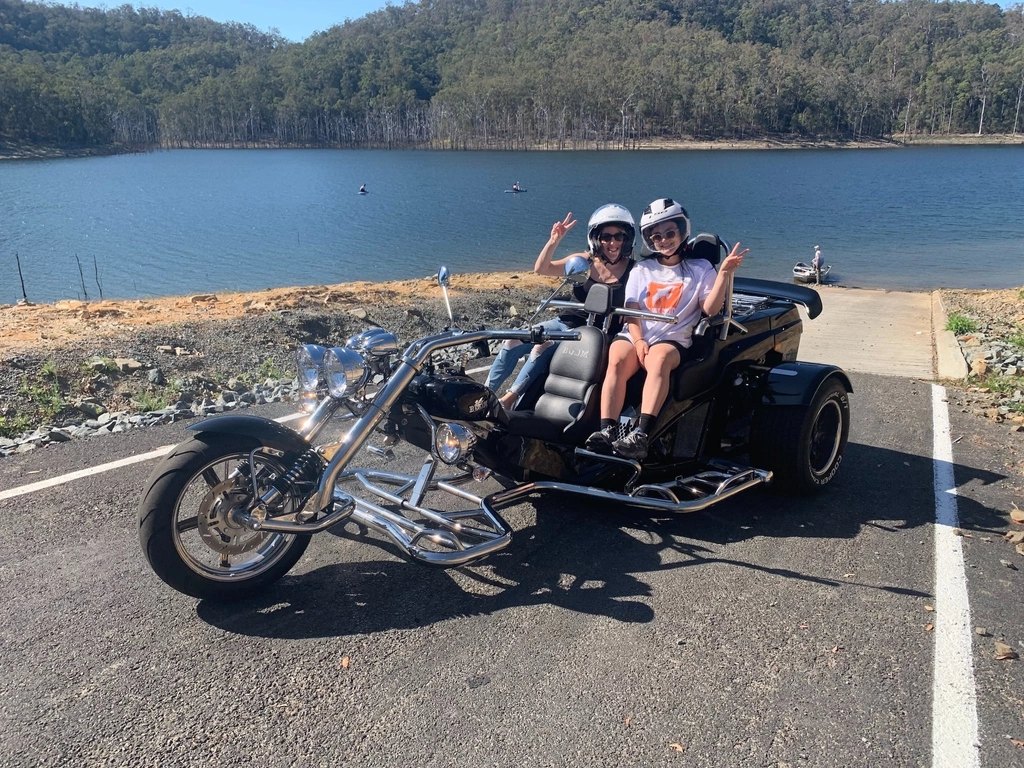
(267, 431)
(796, 383)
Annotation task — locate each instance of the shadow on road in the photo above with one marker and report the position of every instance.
(591, 558)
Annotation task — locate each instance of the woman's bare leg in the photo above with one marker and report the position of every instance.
(661, 361)
(622, 364)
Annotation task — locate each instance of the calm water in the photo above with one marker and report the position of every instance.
(186, 221)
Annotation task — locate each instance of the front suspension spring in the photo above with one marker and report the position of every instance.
(306, 467)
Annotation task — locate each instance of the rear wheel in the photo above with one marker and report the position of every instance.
(189, 524)
(803, 445)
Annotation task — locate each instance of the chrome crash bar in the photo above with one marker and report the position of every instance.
(707, 488)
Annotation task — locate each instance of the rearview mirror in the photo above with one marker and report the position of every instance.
(577, 269)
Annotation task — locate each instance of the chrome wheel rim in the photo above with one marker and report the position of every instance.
(207, 534)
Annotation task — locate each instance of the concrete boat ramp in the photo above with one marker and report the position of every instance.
(889, 333)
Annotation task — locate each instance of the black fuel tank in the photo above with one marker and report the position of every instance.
(454, 397)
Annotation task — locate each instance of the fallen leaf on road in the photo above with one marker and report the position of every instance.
(957, 532)
(1019, 549)
(803, 626)
(1005, 652)
(849, 575)
(981, 631)
(1017, 515)
(929, 607)
(1014, 537)
(628, 721)
(678, 747)
(345, 662)
(1008, 564)
(929, 627)
(1017, 742)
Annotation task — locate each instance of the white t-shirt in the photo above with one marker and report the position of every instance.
(678, 291)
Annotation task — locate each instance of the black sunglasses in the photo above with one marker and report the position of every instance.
(618, 237)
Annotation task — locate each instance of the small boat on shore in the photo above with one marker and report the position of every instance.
(804, 273)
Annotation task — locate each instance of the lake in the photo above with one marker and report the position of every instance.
(184, 221)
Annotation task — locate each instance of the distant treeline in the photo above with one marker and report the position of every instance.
(467, 74)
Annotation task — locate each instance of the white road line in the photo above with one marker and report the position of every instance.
(954, 700)
(21, 490)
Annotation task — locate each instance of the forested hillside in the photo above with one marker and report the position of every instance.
(468, 74)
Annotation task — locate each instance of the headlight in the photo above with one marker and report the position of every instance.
(453, 442)
(308, 359)
(374, 341)
(344, 370)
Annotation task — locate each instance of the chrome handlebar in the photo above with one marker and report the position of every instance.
(621, 311)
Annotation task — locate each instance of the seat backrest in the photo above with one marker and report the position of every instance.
(577, 367)
(706, 246)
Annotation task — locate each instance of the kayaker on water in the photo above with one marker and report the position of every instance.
(362, 189)
(515, 187)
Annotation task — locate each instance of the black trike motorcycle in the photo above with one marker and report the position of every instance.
(231, 509)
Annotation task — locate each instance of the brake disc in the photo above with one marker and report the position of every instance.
(218, 524)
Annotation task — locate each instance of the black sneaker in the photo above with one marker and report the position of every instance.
(601, 441)
(632, 446)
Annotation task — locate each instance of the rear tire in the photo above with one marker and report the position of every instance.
(803, 445)
(186, 528)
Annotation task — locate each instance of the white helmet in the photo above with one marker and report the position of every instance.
(616, 214)
(662, 210)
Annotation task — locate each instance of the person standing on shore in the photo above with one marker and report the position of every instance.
(817, 263)
(672, 284)
(610, 237)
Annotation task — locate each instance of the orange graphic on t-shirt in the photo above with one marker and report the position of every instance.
(663, 297)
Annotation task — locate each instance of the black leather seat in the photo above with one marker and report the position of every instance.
(565, 406)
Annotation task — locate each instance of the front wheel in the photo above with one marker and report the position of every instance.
(189, 524)
(803, 445)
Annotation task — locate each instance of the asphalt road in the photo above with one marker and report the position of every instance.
(768, 631)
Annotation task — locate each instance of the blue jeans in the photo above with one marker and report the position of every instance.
(513, 351)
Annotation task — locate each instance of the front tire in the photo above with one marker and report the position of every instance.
(187, 528)
(803, 445)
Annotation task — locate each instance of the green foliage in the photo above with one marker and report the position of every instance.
(147, 401)
(960, 324)
(44, 395)
(269, 370)
(1005, 386)
(99, 365)
(12, 426)
(470, 74)
(1017, 339)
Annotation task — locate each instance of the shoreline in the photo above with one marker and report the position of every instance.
(43, 326)
(31, 152)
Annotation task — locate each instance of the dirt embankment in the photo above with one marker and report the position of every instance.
(52, 356)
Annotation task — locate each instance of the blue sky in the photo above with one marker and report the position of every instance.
(295, 19)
